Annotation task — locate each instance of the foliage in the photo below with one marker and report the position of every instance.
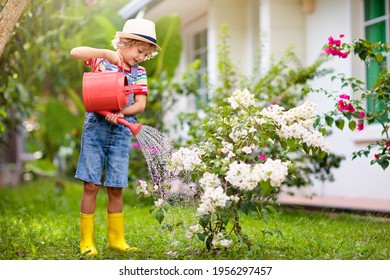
(40, 84)
(40, 222)
(48, 100)
(352, 111)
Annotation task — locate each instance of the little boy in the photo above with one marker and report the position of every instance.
(105, 143)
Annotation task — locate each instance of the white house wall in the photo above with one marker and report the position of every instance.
(356, 178)
(286, 27)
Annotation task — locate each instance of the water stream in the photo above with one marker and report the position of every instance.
(157, 149)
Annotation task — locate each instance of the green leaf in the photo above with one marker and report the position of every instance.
(266, 188)
(384, 164)
(340, 123)
(352, 125)
(329, 120)
(159, 215)
(271, 209)
(204, 221)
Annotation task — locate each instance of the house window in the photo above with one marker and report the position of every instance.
(376, 25)
(200, 52)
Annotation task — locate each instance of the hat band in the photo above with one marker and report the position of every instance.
(146, 37)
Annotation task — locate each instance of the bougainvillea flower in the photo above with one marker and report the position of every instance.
(335, 48)
(345, 96)
(262, 157)
(360, 125)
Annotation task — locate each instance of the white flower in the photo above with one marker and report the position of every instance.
(211, 199)
(185, 159)
(193, 229)
(231, 155)
(247, 177)
(142, 188)
(226, 147)
(247, 150)
(209, 180)
(239, 175)
(243, 98)
(158, 203)
(220, 241)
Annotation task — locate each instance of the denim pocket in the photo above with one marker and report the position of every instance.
(90, 120)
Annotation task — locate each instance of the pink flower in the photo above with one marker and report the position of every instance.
(136, 145)
(376, 156)
(362, 114)
(350, 108)
(334, 47)
(360, 125)
(262, 157)
(343, 54)
(345, 96)
(344, 106)
(387, 143)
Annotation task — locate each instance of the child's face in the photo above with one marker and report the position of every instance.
(135, 54)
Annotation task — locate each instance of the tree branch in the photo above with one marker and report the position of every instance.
(9, 16)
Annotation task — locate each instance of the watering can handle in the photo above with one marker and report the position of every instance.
(101, 60)
(134, 127)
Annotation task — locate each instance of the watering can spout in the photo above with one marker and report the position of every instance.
(134, 127)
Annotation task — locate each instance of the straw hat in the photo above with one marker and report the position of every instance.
(140, 29)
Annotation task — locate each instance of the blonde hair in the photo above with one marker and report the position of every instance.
(121, 42)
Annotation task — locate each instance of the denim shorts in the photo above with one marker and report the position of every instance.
(104, 145)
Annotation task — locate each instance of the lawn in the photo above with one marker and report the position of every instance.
(40, 220)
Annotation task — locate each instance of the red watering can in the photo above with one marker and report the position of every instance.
(106, 91)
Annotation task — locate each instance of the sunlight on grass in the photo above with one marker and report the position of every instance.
(41, 221)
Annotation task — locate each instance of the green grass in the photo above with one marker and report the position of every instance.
(41, 221)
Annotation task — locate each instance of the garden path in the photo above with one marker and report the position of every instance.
(338, 203)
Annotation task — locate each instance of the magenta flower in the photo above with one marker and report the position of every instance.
(136, 145)
(350, 108)
(345, 96)
(360, 125)
(345, 106)
(387, 143)
(362, 114)
(376, 156)
(334, 47)
(262, 157)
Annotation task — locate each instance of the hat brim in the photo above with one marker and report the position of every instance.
(139, 38)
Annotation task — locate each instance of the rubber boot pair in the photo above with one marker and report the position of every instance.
(115, 230)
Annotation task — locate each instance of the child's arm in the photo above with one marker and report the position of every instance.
(137, 107)
(85, 53)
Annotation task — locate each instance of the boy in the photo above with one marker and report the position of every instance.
(104, 142)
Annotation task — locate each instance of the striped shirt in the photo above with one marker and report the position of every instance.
(107, 66)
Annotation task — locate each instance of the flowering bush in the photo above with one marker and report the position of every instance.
(229, 169)
(285, 83)
(353, 110)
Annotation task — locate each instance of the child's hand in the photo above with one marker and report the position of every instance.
(114, 57)
(113, 118)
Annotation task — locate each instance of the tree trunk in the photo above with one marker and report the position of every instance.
(9, 16)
